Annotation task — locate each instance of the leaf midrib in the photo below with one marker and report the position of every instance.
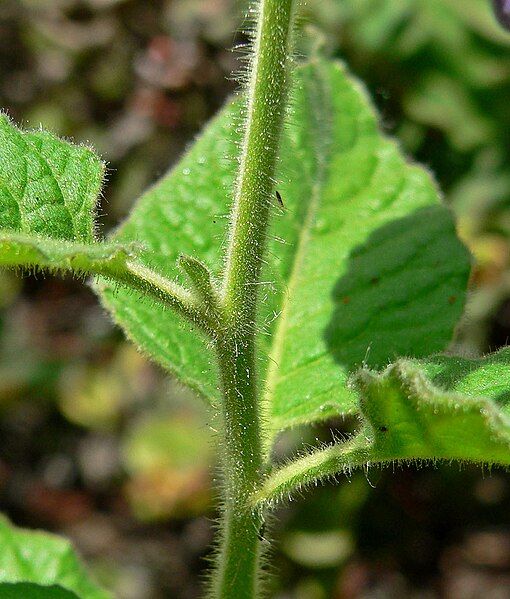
(321, 113)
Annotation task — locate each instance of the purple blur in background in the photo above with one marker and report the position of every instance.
(502, 10)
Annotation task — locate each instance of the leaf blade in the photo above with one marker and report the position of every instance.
(184, 213)
(441, 408)
(411, 418)
(335, 325)
(328, 156)
(48, 187)
(45, 560)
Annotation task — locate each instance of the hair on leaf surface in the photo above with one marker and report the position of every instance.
(218, 314)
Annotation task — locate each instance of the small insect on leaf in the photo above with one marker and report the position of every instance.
(262, 532)
(279, 198)
(502, 10)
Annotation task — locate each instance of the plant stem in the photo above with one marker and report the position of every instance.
(115, 262)
(267, 94)
(239, 555)
(238, 561)
(312, 468)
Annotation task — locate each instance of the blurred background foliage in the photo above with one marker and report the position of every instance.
(97, 443)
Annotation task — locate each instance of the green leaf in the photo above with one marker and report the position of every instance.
(182, 214)
(487, 377)
(43, 560)
(363, 262)
(408, 417)
(372, 269)
(440, 408)
(34, 591)
(29, 251)
(48, 187)
(48, 194)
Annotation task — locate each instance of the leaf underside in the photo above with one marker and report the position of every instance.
(48, 194)
(48, 187)
(439, 408)
(462, 415)
(373, 268)
(363, 261)
(37, 563)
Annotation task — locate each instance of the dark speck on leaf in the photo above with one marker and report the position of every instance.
(502, 10)
(346, 300)
(383, 429)
(452, 299)
(262, 532)
(279, 198)
(374, 280)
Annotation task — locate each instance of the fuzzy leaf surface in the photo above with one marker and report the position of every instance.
(372, 269)
(184, 213)
(48, 187)
(38, 562)
(48, 194)
(408, 417)
(363, 261)
(441, 408)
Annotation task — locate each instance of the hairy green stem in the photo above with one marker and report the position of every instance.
(114, 262)
(171, 294)
(311, 469)
(238, 561)
(267, 94)
(361, 451)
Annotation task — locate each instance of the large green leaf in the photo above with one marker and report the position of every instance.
(408, 417)
(48, 187)
(440, 408)
(363, 265)
(38, 562)
(185, 213)
(373, 269)
(48, 194)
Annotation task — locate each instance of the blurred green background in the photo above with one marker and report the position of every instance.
(98, 444)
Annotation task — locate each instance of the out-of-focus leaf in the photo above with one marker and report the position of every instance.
(43, 560)
(23, 590)
(168, 459)
(417, 42)
(325, 549)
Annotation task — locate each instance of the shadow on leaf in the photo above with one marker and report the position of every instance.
(398, 296)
